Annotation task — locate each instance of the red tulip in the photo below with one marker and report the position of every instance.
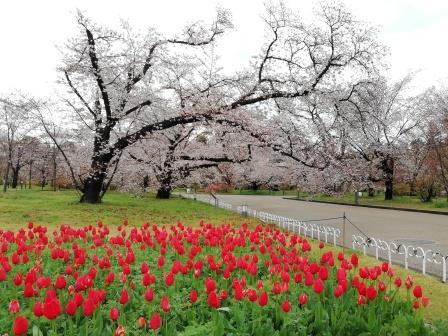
(141, 322)
(169, 279)
(29, 291)
(119, 331)
(323, 273)
(146, 280)
(361, 299)
(17, 280)
(155, 321)
(425, 301)
(397, 282)
(88, 307)
(20, 326)
(149, 294)
(416, 305)
(52, 308)
(114, 314)
(338, 291)
(14, 306)
(60, 282)
(354, 260)
(364, 272)
(3, 275)
(252, 294)
(213, 300)
(71, 307)
(78, 298)
(286, 306)
(210, 285)
(303, 299)
(160, 261)
(418, 293)
(68, 269)
(124, 298)
(238, 293)
(144, 268)
(263, 299)
(371, 293)
(276, 288)
(309, 280)
(38, 309)
(193, 296)
(165, 304)
(318, 286)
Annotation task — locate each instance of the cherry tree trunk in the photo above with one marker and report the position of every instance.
(254, 185)
(15, 178)
(5, 181)
(164, 192)
(93, 186)
(166, 182)
(388, 170)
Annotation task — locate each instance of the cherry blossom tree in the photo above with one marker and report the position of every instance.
(127, 86)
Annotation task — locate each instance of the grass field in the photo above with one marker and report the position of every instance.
(17, 207)
(52, 208)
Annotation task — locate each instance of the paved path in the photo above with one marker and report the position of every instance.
(429, 231)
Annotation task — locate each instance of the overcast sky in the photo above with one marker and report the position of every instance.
(414, 30)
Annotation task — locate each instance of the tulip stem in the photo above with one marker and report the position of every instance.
(166, 324)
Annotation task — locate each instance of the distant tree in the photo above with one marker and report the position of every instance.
(377, 119)
(181, 151)
(18, 144)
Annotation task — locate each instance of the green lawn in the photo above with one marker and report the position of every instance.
(52, 208)
(414, 202)
(17, 207)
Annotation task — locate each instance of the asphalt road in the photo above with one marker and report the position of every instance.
(429, 231)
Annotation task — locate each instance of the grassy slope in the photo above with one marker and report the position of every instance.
(53, 208)
(433, 288)
(414, 202)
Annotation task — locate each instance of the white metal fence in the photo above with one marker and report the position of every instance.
(409, 256)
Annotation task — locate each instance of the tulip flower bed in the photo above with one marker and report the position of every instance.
(208, 280)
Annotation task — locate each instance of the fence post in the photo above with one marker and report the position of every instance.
(244, 210)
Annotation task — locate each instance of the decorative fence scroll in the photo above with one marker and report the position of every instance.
(390, 251)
